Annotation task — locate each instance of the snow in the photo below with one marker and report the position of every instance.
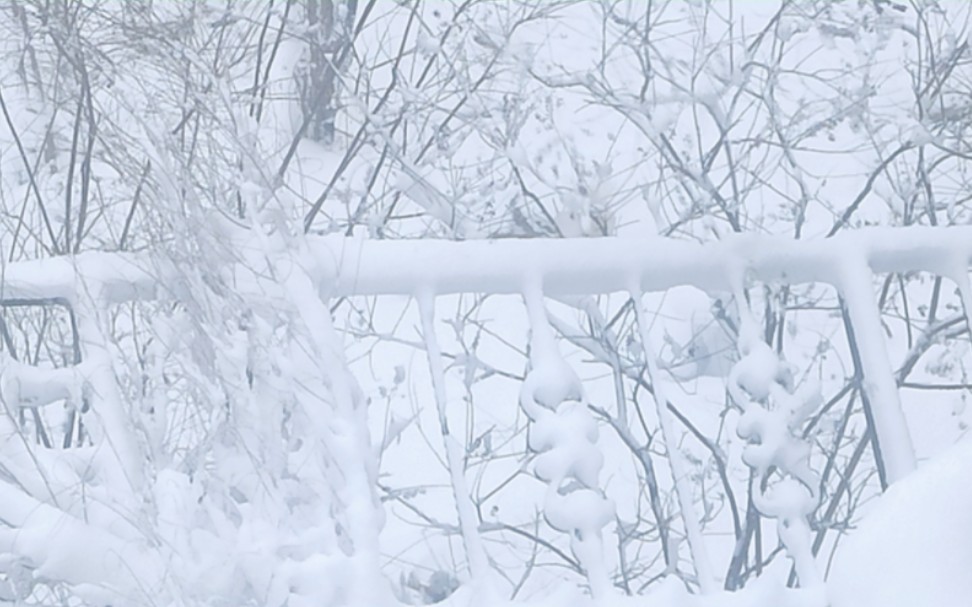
(588, 429)
(679, 467)
(29, 386)
(563, 434)
(912, 548)
(60, 547)
(347, 441)
(573, 266)
(670, 592)
(897, 451)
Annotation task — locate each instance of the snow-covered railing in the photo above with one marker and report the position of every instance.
(360, 266)
(563, 433)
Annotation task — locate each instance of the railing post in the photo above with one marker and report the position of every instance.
(897, 454)
(708, 583)
(465, 509)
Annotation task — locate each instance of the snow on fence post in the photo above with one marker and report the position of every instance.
(773, 410)
(564, 434)
(890, 427)
(708, 583)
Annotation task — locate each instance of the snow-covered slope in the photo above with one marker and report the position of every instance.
(915, 547)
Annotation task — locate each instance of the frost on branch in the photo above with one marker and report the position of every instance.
(564, 435)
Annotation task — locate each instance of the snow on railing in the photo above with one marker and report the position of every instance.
(562, 433)
(564, 436)
(774, 439)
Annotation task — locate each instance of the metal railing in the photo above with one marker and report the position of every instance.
(319, 268)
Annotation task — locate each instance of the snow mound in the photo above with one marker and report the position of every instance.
(668, 592)
(915, 546)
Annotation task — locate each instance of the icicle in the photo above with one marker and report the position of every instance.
(468, 521)
(564, 435)
(708, 583)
